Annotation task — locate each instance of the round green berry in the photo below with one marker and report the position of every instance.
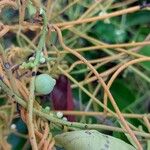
(44, 84)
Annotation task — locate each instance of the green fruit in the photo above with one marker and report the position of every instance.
(44, 84)
(90, 140)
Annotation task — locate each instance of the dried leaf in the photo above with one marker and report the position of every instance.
(62, 96)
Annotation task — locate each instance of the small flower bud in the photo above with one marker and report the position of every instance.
(13, 126)
(42, 60)
(59, 115)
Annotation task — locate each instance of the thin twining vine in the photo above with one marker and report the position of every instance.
(114, 76)
(39, 49)
(86, 20)
(27, 100)
(103, 85)
(49, 116)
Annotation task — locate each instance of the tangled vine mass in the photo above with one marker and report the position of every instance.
(60, 62)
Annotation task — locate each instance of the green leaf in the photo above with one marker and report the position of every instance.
(145, 51)
(138, 18)
(110, 33)
(122, 93)
(90, 140)
(16, 141)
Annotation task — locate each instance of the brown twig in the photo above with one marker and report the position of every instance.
(97, 18)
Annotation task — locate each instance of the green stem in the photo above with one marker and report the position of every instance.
(41, 44)
(30, 115)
